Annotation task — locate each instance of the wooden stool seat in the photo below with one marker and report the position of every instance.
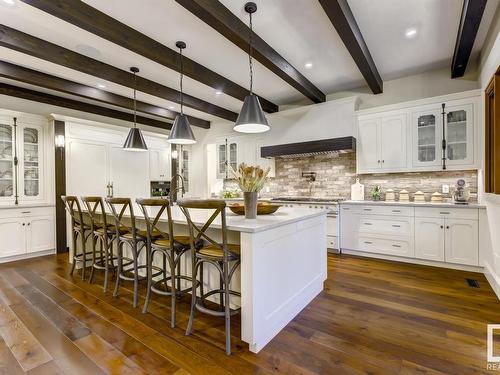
(217, 253)
(181, 243)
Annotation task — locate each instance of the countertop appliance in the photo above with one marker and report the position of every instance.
(461, 193)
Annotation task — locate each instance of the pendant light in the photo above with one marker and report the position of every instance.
(251, 118)
(181, 133)
(135, 141)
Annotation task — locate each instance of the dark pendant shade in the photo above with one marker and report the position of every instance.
(181, 133)
(251, 118)
(135, 141)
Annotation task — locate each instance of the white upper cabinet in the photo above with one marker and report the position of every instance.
(229, 153)
(160, 164)
(387, 143)
(129, 173)
(381, 143)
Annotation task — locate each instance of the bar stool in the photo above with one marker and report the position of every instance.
(170, 247)
(220, 255)
(128, 268)
(104, 234)
(80, 231)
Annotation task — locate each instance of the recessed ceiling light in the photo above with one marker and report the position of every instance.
(218, 92)
(9, 3)
(101, 86)
(171, 107)
(308, 65)
(87, 50)
(411, 32)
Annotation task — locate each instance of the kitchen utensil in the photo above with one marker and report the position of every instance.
(357, 191)
(390, 195)
(404, 196)
(262, 208)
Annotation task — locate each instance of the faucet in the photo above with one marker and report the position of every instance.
(177, 188)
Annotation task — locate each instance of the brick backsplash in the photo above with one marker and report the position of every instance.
(336, 173)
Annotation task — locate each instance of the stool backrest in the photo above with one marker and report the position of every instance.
(121, 207)
(152, 221)
(74, 209)
(196, 232)
(96, 211)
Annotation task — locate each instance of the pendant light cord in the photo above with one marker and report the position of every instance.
(250, 50)
(182, 76)
(135, 100)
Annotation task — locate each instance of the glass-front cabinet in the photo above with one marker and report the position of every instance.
(228, 154)
(24, 180)
(427, 129)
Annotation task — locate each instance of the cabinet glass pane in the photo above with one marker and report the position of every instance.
(456, 134)
(31, 162)
(6, 161)
(185, 169)
(426, 125)
(222, 159)
(233, 155)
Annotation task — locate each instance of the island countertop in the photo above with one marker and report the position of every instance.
(238, 223)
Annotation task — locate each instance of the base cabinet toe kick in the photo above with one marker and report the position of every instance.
(446, 237)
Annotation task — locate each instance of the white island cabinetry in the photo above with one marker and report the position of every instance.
(435, 234)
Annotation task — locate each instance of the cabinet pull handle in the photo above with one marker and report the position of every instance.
(346, 208)
(25, 212)
(444, 213)
(396, 226)
(367, 209)
(396, 245)
(368, 223)
(396, 210)
(368, 242)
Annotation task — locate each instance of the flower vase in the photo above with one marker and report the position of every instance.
(250, 199)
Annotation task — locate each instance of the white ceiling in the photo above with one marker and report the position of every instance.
(299, 30)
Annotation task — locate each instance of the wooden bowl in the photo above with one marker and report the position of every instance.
(262, 209)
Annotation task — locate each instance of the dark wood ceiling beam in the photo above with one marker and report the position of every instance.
(88, 18)
(36, 78)
(472, 13)
(340, 15)
(216, 15)
(41, 97)
(33, 46)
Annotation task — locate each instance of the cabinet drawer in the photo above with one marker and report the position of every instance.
(391, 225)
(387, 210)
(26, 212)
(332, 242)
(353, 208)
(451, 213)
(398, 247)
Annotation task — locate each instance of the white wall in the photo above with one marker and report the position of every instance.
(491, 250)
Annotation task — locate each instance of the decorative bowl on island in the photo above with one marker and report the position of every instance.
(263, 208)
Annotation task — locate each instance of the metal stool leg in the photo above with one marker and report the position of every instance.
(149, 268)
(172, 290)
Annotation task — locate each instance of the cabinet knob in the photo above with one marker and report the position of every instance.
(442, 227)
(447, 227)
(24, 224)
(378, 161)
(29, 224)
(383, 161)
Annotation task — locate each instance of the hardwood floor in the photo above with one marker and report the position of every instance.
(375, 317)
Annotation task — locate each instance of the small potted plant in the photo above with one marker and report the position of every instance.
(251, 180)
(376, 193)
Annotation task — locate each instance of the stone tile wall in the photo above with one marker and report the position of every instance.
(336, 173)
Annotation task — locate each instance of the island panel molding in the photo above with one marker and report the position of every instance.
(33, 46)
(88, 18)
(34, 77)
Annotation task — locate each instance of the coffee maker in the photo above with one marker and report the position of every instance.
(461, 193)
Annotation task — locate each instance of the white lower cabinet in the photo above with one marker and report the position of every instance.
(26, 231)
(431, 233)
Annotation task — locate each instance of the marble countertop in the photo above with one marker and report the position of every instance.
(415, 204)
(238, 223)
(26, 205)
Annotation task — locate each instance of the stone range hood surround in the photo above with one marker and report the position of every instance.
(333, 145)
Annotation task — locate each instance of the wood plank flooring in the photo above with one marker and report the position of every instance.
(374, 317)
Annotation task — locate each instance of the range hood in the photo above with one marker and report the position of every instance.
(323, 146)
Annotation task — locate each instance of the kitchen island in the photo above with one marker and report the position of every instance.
(283, 265)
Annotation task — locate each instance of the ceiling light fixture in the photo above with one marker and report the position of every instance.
(411, 32)
(181, 133)
(135, 141)
(101, 86)
(308, 65)
(218, 93)
(251, 118)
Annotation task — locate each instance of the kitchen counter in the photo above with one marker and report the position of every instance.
(415, 204)
(283, 264)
